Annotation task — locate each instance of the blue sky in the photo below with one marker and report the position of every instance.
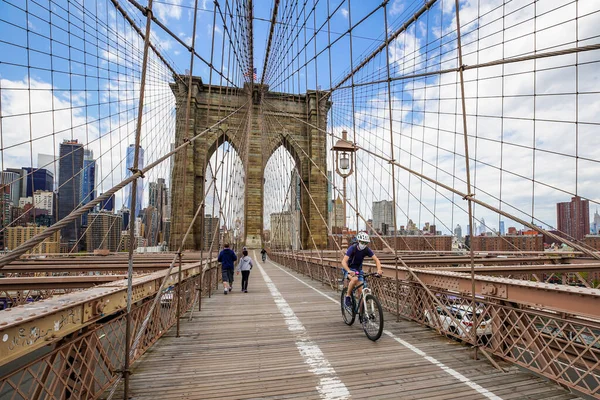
(88, 89)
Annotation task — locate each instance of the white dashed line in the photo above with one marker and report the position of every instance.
(330, 387)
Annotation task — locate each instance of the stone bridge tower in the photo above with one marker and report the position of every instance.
(247, 131)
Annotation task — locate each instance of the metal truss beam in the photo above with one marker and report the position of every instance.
(34, 325)
(579, 301)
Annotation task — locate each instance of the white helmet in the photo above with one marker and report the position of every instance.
(363, 237)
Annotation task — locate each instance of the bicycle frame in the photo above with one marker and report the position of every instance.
(363, 296)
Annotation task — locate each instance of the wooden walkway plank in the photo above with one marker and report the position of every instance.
(282, 338)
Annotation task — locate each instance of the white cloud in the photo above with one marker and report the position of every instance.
(397, 8)
(166, 11)
(210, 31)
(344, 12)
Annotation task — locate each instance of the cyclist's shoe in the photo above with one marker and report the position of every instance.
(348, 301)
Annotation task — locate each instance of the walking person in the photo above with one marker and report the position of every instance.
(227, 257)
(244, 266)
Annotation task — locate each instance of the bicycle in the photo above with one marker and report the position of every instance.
(264, 257)
(372, 319)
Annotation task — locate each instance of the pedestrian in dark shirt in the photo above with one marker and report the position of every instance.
(227, 257)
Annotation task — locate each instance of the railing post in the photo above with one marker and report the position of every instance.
(210, 280)
(178, 312)
(200, 290)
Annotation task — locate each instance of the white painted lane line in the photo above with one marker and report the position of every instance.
(481, 390)
(330, 387)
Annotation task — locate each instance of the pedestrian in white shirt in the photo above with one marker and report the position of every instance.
(245, 265)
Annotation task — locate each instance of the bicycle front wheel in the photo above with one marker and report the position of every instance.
(347, 312)
(372, 320)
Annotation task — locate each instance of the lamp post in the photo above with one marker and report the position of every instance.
(344, 167)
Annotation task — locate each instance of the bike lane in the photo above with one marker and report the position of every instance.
(409, 361)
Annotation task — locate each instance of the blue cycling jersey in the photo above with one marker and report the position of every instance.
(356, 256)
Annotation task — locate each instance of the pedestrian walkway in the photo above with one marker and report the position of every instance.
(285, 338)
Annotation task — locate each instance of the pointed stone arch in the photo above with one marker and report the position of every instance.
(303, 121)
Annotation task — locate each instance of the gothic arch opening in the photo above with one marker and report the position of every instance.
(223, 217)
(282, 200)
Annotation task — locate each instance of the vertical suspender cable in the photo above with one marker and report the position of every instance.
(389, 90)
(468, 173)
(138, 131)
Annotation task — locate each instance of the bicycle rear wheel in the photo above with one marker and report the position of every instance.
(347, 313)
(372, 320)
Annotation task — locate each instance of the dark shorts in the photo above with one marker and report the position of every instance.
(361, 277)
(227, 274)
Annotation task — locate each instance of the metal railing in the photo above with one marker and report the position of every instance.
(85, 363)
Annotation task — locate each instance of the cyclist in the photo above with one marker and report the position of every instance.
(353, 262)
(264, 255)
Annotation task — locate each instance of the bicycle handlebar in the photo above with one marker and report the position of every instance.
(370, 274)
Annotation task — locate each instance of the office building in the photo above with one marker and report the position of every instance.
(12, 179)
(151, 222)
(458, 231)
(88, 178)
(44, 200)
(125, 217)
(87, 191)
(25, 200)
(18, 235)
(211, 224)
(140, 181)
(37, 179)
(104, 231)
(336, 217)
(69, 182)
(46, 161)
(573, 218)
(383, 216)
(108, 204)
(513, 243)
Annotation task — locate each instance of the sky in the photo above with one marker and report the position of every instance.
(532, 134)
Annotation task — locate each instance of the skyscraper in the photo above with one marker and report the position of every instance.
(108, 204)
(88, 181)
(482, 227)
(88, 178)
(336, 217)
(501, 227)
(140, 181)
(69, 182)
(573, 218)
(383, 215)
(37, 179)
(12, 178)
(125, 217)
(596, 222)
(458, 231)
(158, 195)
(104, 231)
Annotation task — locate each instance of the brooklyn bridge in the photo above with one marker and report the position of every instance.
(145, 144)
